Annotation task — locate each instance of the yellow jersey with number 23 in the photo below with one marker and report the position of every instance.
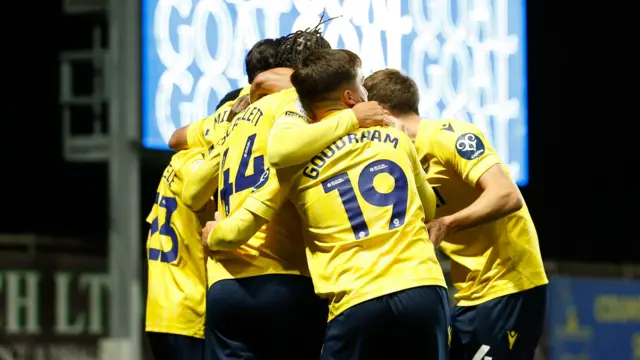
(366, 233)
(491, 260)
(177, 278)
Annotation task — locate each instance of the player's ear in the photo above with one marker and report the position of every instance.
(349, 98)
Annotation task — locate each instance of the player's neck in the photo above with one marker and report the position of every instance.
(323, 109)
(411, 123)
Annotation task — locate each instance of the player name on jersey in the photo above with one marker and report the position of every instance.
(312, 171)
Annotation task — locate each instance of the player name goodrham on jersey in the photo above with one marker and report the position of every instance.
(312, 171)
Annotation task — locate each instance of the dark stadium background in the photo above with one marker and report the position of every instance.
(581, 195)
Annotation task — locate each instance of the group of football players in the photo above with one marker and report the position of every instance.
(300, 221)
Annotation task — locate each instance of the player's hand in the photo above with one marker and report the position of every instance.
(208, 228)
(438, 230)
(369, 114)
(239, 105)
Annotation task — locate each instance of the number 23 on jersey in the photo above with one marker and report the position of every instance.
(157, 252)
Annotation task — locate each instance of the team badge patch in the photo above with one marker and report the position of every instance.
(469, 146)
(263, 180)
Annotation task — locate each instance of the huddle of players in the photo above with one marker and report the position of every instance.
(320, 247)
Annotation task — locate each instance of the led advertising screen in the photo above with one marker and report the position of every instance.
(593, 319)
(467, 57)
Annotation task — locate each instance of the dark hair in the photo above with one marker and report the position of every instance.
(297, 45)
(231, 95)
(393, 90)
(322, 72)
(261, 57)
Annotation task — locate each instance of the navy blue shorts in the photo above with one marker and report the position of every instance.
(408, 324)
(175, 347)
(508, 327)
(266, 317)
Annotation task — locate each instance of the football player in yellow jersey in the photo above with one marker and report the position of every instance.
(364, 200)
(485, 227)
(258, 60)
(177, 279)
(266, 279)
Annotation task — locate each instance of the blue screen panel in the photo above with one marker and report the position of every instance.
(593, 319)
(467, 57)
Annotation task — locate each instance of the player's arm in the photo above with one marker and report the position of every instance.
(294, 141)
(178, 140)
(426, 193)
(200, 184)
(475, 160)
(257, 210)
(270, 82)
(189, 137)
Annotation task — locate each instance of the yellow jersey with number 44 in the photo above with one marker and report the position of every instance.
(177, 277)
(277, 247)
(488, 261)
(366, 235)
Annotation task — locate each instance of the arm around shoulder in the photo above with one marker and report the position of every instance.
(293, 141)
(235, 230)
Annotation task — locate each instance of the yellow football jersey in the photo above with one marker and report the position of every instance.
(488, 261)
(366, 235)
(207, 132)
(277, 247)
(177, 278)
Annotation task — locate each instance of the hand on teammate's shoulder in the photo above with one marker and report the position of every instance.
(239, 105)
(369, 114)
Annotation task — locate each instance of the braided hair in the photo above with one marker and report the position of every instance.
(297, 45)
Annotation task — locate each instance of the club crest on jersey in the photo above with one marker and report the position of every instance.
(263, 180)
(469, 146)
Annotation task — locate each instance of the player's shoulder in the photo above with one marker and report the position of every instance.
(445, 130)
(450, 137)
(245, 91)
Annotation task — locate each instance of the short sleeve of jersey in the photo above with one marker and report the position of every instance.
(267, 195)
(464, 147)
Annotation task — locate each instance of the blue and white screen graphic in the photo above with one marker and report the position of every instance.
(467, 56)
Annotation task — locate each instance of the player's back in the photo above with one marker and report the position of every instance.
(177, 276)
(276, 248)
(366, 231)
(488, 261)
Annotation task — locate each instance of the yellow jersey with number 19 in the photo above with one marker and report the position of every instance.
(496, 259)
(366, 233)
(177, 278)
(277, 247)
